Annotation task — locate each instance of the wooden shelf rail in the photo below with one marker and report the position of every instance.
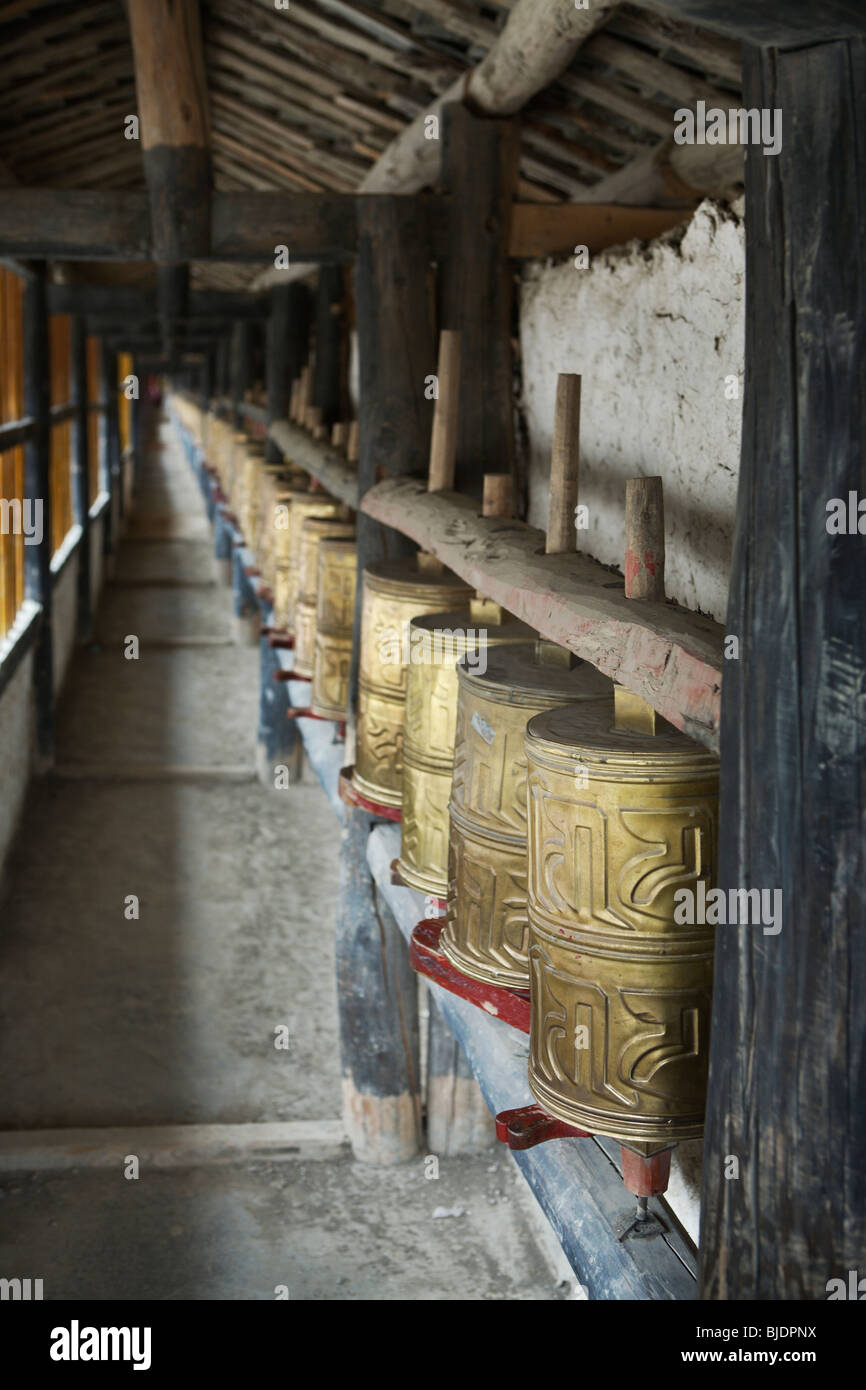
(337, 477)
(670, 657)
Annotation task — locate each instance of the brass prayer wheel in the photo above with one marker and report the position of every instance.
(436, 643)
(301, 506)
(335, 620)
(619, 821)
(313, 530)
(486, 933)
(393, 593)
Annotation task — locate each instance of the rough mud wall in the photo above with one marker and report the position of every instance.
(656, 332)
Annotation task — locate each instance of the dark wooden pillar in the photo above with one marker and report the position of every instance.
(480, 168)
(328, 391)
(81, 473)
(784, 1181)
(397, 352)
(241, 367)
(110, 443)
(286, 348)
(37, 490)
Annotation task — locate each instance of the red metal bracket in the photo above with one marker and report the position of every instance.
(290, 676)
(425, 956)
(304, 712)
(349, 794)
(282, 641)
(529, 1125)
(644, 1175)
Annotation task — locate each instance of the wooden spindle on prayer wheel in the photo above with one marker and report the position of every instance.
(564, 467)
(353, 442)
(644, 539)
(498, 496)
(443, 440)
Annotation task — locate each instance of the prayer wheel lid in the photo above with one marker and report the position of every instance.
(327, 526)
(590, 734)
(394, 576)
(461, 620)
(342, 545)
(519, 672)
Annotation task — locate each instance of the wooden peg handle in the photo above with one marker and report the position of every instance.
(564, 466)
(353, 443)
(497, 496)
(443, 441)
(644, 539)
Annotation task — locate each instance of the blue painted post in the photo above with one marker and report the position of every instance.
(378, 995)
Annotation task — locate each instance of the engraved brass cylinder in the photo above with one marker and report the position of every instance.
(313, 531)
(486, 933)
(335, 620)
(436, 643)
(619, 821)
(301, 506)
(393, 594)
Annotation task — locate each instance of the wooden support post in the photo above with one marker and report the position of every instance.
(376, 987)
(396, 347)
(443, 441)
(497, 497)
(171, 91)
(172, 289)
(285, 350)
(241, 367)
(480, 162)
(644, 539)
(458, 1120)
(378, 1001)
(328, 390)
(784, 1182)
(81, 475)
(353, 442)
(564, 467)
(110, 441)
(37, 490)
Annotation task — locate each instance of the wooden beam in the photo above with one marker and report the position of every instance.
(125, 300)
(670, 657)
(313, 226)
(537, 44)
(320, 460)
(74, 225)
(782, 23)
(171, 89)
(479, 165)
(550, 229)
(788, 1018)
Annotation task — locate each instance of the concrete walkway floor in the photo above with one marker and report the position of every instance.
(131, 1023)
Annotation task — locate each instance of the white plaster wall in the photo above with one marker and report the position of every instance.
(16, 744)
(65, 617)
(653, 329)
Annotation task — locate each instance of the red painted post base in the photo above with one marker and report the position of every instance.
(425, 956)
(349, 794)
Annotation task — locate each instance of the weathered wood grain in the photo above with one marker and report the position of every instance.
(789, 1019)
